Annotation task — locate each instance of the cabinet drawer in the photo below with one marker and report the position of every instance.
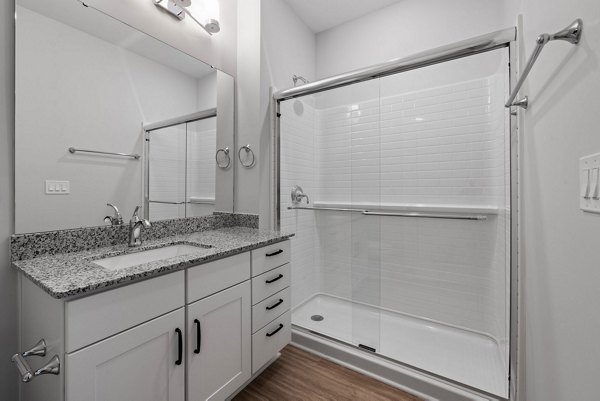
(210, 278)
(268, 341)
(269, 283)
(270, 257)
(270, 308)
(99, 316)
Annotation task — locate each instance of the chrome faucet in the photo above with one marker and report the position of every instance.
(298, 194)
(135, 228)
(116, 219)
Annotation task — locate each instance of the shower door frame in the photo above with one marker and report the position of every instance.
(506, 38)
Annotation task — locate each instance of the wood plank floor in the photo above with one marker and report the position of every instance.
(301, 376)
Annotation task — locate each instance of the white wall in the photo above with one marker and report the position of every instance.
(402, 29)
(8, 284)
(560, 255)
(285, 46)
(219, 50)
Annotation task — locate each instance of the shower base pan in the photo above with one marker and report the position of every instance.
(462, 356)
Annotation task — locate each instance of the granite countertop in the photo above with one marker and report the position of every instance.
(71, 275)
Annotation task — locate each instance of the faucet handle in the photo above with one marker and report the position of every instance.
(115, 220)
(135, 216)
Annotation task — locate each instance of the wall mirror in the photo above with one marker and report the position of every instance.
(87, 83)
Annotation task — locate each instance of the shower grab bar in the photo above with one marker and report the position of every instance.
(478, 217)
(571, 34)
(133, 156)
(429, 215)
(331, 209)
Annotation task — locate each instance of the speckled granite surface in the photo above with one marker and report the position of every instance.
(34, 245)
(70, 275)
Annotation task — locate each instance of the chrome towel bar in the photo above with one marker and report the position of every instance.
(133, 156)
(52, 367)
(477, 217)
(571, 34)
(428, 215)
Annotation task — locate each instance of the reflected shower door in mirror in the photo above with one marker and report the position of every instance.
(87, 81)
(181, 170)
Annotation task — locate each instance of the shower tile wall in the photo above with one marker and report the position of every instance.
(377, 143)
(298, 168)
(437, 146)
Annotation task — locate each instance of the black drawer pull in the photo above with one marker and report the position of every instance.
(274, 253)
(276, 330)
(198, 336)
(275, 305)
(179, 347)
(274, 279)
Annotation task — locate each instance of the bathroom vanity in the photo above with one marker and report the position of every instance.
(197, 326)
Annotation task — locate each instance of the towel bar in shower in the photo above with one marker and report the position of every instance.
(571, 34)
(478, 217)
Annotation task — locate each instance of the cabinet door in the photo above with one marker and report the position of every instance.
(140, 364)
(219, 344)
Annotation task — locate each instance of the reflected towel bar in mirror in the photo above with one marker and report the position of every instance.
(133, 156)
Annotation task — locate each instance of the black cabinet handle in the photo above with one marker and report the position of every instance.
(276, 330)
(179, 347)
(198, 336)
(274, 279)
(274, 253)
(275, 305)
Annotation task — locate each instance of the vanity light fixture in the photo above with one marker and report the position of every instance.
(206, 9)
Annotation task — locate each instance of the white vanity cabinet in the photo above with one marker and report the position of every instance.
(218, 356)
(218, 328)
(271, 318)
(140, 364)
(192, 335)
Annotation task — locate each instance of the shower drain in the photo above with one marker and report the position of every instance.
(317, 318)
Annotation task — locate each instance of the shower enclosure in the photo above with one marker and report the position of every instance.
(404, 243)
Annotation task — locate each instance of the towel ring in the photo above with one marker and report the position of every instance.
(226, 153)
(248, 150)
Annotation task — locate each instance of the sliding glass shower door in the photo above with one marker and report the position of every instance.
(404, 248)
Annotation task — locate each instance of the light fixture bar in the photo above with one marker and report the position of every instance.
(180, 11)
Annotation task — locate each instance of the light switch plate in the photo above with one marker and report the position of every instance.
(54, 187)
(589, 183)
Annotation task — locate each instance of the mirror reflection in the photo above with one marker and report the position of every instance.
(143, 121)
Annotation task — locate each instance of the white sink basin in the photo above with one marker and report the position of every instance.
(152, 255)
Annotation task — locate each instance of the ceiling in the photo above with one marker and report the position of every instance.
(320, 15)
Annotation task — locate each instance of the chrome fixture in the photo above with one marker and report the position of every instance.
(571, 34)
(179, 9)
(249, 152)
(298, 194)
(116, 219)
(133, 156)
(297, 78)
(27, 373)
(186, 118)
(135, 228)
(395, 214)
(226, 153)
(464, 48)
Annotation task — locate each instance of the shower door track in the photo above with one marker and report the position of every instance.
(479, 44)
